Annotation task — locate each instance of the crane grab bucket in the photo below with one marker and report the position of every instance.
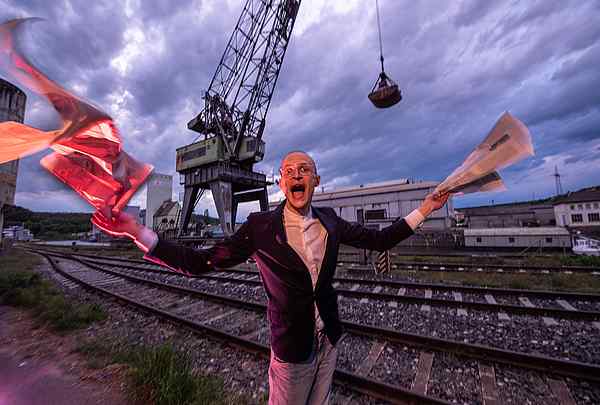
(385, 93)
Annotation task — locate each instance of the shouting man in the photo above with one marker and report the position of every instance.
(296, 249)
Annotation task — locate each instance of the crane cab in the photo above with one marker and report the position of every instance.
(212, 150)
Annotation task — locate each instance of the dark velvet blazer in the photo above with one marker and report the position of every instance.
(284, 275)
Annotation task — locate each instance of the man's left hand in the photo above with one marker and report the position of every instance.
(433, 202)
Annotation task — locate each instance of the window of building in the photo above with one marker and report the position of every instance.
(371, 215)
(572, 207)
(579, 206)
(548, 240)
(478, 239)
(511, 239)
(595, 205)
(588, 206)
(594, 217)
(192, 154)
(575, 218)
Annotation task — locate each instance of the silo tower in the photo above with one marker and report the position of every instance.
(12, 108)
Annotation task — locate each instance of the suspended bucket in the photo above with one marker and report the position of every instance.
(385, 92)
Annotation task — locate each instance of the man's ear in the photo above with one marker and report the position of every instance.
(317, 180)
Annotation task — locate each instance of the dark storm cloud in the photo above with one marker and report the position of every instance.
(459, 67)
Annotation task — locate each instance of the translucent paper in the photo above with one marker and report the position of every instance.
(88, 153)
(508, 142)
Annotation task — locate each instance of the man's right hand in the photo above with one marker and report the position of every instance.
(123, 224)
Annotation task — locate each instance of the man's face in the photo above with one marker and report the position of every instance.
(298, 180)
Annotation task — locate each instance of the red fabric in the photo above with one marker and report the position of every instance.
(88, 153)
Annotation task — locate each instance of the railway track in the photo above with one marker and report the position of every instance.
(549, 305)
(242, 324)
(350, 262)
(477, 268)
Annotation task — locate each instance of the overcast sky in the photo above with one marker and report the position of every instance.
(460, 65)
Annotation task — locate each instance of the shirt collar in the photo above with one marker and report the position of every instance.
(292, 215)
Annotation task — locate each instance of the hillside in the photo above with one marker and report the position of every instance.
(48, 225)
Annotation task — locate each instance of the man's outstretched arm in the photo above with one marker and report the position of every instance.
(364, 238)
(175, 256)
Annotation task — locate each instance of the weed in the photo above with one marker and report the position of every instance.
(160, 375)
(21, 287)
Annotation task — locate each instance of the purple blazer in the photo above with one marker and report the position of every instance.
(284, 275)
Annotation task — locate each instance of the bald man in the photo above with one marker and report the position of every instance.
(296, 249)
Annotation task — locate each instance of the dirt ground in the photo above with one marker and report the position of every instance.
(38, 366)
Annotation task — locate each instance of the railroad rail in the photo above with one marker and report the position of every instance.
(362, 384)
(354, 266)
(459, 348)
(365, 385)
(564, 309)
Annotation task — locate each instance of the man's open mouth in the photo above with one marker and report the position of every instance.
(298, 190)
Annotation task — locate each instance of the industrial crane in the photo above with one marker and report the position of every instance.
(235, 108)
(233, 118)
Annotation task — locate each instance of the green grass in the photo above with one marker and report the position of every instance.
(580, 261)
(160, 375)
(20, 286)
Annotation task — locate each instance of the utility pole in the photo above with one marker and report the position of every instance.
(559, 189)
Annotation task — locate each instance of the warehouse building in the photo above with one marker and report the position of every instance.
(580, 210)
(522, 238)
(378, 205)
(512, 215)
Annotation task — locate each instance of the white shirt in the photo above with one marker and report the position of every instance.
(308, 237)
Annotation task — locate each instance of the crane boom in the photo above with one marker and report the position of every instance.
(240, 92)
(234, 114)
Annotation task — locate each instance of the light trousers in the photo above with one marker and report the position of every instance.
(306, 383)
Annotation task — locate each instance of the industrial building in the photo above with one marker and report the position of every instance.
(521, 214)
(12, 108)
(159, 189)
(378, 205)
(535, 238)
(165, 218)
(579, 210)
(17, 233)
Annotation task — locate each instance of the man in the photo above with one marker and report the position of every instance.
(295, 248)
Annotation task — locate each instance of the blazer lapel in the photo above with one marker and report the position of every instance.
(330, 226)
(281, 239)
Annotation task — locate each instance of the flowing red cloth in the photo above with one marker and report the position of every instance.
(88, 154)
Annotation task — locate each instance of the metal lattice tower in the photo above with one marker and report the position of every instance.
(235, 109)
(559, 189)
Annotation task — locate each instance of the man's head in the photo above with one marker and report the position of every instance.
(298, 180)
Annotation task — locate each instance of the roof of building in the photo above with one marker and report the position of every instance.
(165, 208)
(375, 188)
(534, 231)
(583, 195)
(526, 205)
